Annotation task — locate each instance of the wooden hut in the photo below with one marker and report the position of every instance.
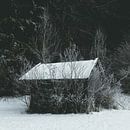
(54, 84)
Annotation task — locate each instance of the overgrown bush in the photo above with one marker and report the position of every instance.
(102, 88)
(122, 66)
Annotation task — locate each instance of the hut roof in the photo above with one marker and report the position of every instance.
(61, 70)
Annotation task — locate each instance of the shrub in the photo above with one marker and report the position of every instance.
(122, 63)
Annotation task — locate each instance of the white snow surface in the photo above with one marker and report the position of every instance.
(14, 117)
(61, 70)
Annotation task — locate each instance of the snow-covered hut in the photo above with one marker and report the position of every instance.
(54, 82)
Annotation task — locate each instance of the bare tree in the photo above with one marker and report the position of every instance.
(46, 43)
(99, 47)
(72, 53)
(102, 84)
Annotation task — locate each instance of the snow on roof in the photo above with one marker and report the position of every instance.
(61, 70)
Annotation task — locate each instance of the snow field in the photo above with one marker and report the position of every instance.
(14, 117)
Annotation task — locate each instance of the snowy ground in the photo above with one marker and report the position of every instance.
(13, 117)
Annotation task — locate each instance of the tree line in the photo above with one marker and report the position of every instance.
(35, 29)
